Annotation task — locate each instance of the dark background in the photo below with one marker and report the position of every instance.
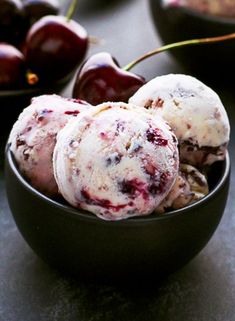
(204, 290)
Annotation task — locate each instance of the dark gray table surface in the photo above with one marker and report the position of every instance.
(204, 290)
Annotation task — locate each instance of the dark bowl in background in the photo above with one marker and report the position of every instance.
(213, 62)
(80, 244)
(89, 6)
(13, 101)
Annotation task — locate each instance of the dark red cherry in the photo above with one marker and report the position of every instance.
(36, 9)
(12, 67)
(12, 28)
(101, 79)
(54, 47)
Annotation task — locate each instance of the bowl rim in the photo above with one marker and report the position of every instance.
(19, 92)
(34, 89)
(79, 213)
(203, 16)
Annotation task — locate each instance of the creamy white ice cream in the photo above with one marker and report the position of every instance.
(194, 112)
(116, 161)
(33, 138)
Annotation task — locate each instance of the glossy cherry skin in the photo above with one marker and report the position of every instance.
(12, 22)
(54, 47)
(36, 9)
(12, 67)
(101, 79)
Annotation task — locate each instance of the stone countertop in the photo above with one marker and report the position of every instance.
(204, 290)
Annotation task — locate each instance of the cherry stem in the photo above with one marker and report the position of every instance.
(178, 44)
(71, 10)
(32, 78)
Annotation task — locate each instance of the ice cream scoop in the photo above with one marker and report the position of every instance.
(33, 138)
(195, 113)
(116, 161)
(190, 186)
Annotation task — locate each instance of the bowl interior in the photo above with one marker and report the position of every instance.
(217, 175)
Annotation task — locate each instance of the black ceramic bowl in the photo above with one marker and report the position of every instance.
(83, 245)
(211, 61)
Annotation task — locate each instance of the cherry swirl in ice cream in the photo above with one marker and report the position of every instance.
(116, 161)
(33, 138)
(195, 113)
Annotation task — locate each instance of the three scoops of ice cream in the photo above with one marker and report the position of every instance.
(119, 160)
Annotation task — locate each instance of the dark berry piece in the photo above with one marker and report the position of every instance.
(72, 112)
(113, 159)
(154, 136)
(133, 188)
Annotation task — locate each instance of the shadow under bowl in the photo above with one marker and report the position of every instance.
(80, 244)
(211, 62)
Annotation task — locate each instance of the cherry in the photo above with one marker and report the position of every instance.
(55, 45)
(101, 79)
(12, 27)
(36, 9)
(12, 66)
